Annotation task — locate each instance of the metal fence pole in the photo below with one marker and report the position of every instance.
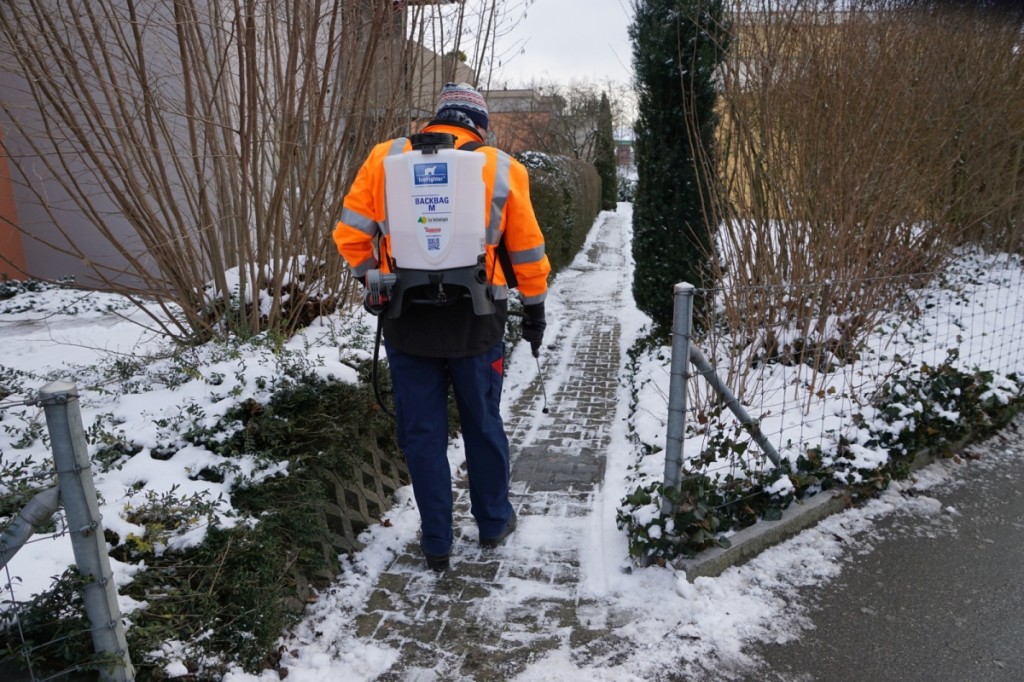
(71, 458)
(732, 402)
(38, 511)
(682, 320)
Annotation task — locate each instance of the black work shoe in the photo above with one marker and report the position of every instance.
(436, 562)
(491, 543)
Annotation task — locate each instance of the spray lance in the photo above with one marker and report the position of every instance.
(540, 373)
(540, 370)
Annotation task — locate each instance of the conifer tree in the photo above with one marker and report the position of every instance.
(677, 48)
(604, 159)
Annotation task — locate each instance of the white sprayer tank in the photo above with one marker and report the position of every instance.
(436, 209)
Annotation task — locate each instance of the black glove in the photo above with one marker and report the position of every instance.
(533, 326)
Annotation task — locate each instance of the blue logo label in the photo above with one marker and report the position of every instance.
(430, 173)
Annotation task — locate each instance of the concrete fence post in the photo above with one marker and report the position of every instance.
(682, 322)
(59, 400)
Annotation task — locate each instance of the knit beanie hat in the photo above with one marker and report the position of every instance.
(464, 99)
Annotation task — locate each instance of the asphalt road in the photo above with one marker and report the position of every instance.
(926, 599)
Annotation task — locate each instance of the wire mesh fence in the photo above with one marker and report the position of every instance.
(846, 380)
(808, 377)
(20, 653)
(78, 618)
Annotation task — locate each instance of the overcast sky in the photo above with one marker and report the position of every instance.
(561, 41)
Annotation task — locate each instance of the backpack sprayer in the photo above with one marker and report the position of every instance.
(436, 208)
(435, 198)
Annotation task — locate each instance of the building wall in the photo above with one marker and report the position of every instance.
(57, 240)
(624, 153)
(518, 119)
(429, 72)
(517, 132)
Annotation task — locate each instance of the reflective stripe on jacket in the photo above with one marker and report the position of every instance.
(509, 213)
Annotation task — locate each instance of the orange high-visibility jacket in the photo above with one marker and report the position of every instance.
(509, 213)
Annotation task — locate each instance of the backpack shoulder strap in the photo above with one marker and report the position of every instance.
(501, 249)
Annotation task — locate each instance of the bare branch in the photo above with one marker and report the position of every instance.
(208, 144)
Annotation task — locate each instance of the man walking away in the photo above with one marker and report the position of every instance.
(441, 226)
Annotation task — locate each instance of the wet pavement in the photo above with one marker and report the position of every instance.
(936, 598)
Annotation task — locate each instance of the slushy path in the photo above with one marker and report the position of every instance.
(464, 624)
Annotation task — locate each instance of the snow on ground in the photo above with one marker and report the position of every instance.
(63, 334)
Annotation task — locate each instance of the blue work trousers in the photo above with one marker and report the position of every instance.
(420, 386)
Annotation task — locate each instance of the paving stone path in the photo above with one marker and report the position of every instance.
(495, 611)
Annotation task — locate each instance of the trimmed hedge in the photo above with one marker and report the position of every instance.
(566, 195)
(228, 599)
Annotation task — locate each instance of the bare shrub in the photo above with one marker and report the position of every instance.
(209, 144)
(857, 148)
(983, 79)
